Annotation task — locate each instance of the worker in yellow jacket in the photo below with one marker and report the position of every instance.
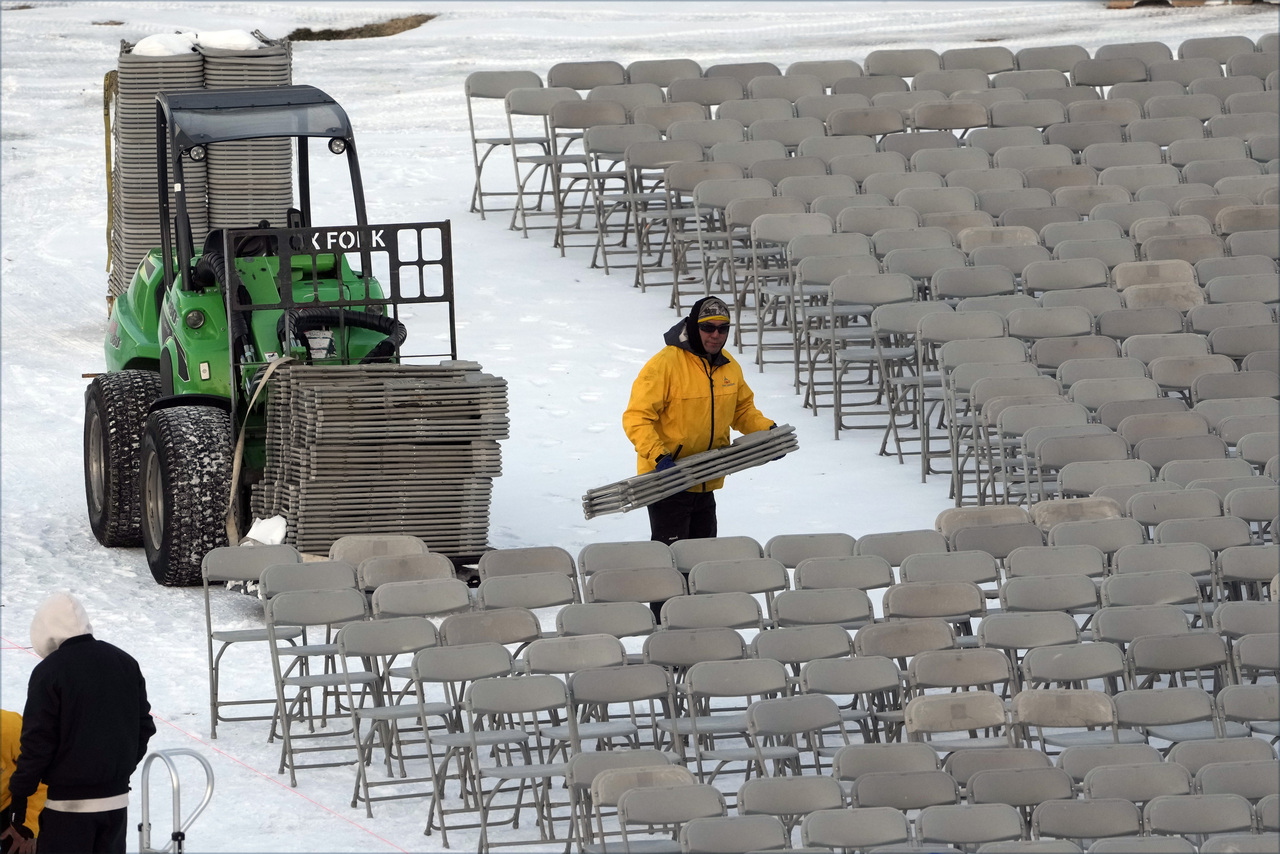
(684, 401)
(10, 732)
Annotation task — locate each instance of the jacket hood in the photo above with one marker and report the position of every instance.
(58, 618)
(685, 334)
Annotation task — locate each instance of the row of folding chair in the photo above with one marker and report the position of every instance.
(377, 712)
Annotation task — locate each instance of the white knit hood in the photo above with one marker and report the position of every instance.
(59, 617)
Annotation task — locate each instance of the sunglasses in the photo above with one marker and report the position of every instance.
(716, 328)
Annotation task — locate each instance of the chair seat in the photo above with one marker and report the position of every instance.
(387, 713)
(249, 635)
(1196, 731)
(1069, 739)
(593, 729)
(947, 745)
(707, 724)
(642, 846)
(329, 680)
(525, 772)
(747, 754)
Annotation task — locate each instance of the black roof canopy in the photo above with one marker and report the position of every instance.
(201, 116)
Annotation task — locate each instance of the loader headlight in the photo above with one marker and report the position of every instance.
(337, 145)
(197, 153)
(194, 318)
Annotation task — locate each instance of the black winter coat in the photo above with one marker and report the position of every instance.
(86, 723)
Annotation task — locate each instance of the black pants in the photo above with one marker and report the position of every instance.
(683, 516)
(81, 832)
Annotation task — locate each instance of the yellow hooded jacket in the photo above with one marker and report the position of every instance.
(10, 732)
(682, 399)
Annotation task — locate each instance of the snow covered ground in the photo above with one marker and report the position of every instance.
(568, 339)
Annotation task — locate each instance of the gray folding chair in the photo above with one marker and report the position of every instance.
(242, 566)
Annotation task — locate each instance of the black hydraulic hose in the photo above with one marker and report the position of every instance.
(303, 320)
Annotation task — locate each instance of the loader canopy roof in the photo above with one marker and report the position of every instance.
(201, 117)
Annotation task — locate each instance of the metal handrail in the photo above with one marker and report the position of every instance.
(178, 836)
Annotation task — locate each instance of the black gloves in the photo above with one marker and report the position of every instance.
(664, 462)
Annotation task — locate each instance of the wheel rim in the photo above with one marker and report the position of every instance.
(153, 499)
(96, 465)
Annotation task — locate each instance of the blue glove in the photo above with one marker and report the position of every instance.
(665, 462)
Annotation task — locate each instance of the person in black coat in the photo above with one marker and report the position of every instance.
(85, 728)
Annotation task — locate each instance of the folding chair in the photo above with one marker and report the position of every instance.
(441, 676)
(1252, 780)
(664, 808)
(809, 724)
(869, 688)
(381, 706)
(747, 680)
(597, 779)
(234, 565)
(1065, 718)
(1024, 785)
(967, 711)
(791, 549)
(512, 708)
(295, 679)
(494, 85)
(734, 610)
(619, 702)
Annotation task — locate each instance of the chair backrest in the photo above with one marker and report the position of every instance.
(569, 655)
(354, 548)
(1138, 783)
(680, 648)
(381, 569)
(904, 790)
(425, 598)
(901, 639)
(1086, 819)
(733, 834)
(865, 572)
(1197, 815)
(620, 619)
(638, 584)
(521, 561)
(796, 645)
(325, 607)
(689, 552)
(969, 824)
(896, 546)
(846, 607)
(245, 564)
(529, 590)
(390, 637)
(733, 609)
(1079, 759)
(791, 549)
(863, 829)
(664, 803)
(746, 575)
(313, 575)
(965, 711)
(500, 625)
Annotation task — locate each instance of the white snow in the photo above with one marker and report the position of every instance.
(568, 339)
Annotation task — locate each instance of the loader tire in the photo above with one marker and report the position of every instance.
(184, 482)
(115, 413)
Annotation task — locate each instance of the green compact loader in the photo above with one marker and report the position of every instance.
(191, 345)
